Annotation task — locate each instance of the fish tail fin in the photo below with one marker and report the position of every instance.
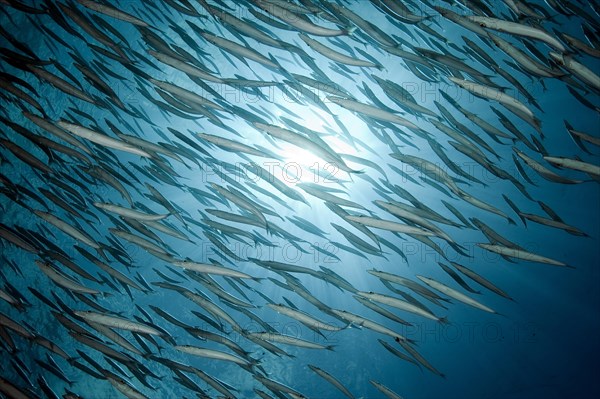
(317, 331)
(444, 320)
(254, 362)
(350, 31)
(568, 125)
(510, 221)
(330, 347)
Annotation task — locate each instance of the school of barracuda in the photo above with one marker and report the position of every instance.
(145, 201)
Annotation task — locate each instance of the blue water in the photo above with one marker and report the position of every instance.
(542, 344)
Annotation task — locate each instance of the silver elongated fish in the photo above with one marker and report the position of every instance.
(332, 380)
(461, 20)
(389, 225)
(361, 321)
(124, 387)
(278, 387)
(68, 229)
(101, 139)
(452, 293)
(578, 69)
(64, 281)
(232, 145)
(61, 84)
(416, 287)
(400, 304)
(135, 239)
(575, 165)
(305, 143)
(241, 202)
(184, 67)
(246, 28)
(117, 275)
(520, 254)
(25, 156)
(336, 55)
(4, 295)
(211, 354)
(578, 136)
(301, 9)
(212, 308)
(528, 63)
(290, 340)
(544, 171)
(518, 29)
(112, 12)
(303, 317)
(117, 322)
(270, 178)
(369, 28)
(6, 321)
(484, 205)
(115, 337)
(149, 146)
(372, 111)
(13, 391)
(480, 280)
(580, 45)
(210, 269)
(400, 11)
(129, 213)
(167, 230)
(385, 390)
(491, 93)
(300, 23)
(552, 223)
(285, 267)
(238, 49)
(429, 168)
(48, 126)
(185, 94)
(325, 196)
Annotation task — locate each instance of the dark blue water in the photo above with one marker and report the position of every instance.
(542, 344)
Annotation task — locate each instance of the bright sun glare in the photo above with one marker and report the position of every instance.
(302, 166)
